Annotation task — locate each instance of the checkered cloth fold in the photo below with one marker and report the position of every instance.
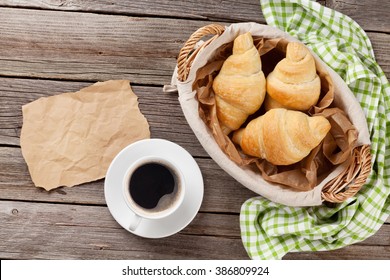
(270, 230)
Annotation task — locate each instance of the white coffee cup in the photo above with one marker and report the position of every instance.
(153, 188)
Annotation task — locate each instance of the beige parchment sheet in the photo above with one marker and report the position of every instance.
(71, 138)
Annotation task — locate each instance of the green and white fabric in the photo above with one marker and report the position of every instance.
(270, 230)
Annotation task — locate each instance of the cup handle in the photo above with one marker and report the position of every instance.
(134, 222)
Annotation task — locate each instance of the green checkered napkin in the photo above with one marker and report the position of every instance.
(270, 230)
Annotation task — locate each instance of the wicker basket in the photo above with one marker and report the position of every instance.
(337, 190)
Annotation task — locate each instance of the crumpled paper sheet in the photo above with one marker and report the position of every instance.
(71, 138)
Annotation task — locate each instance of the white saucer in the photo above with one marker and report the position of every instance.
(193, 194)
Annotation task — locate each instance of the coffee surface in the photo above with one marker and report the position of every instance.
(149, 183)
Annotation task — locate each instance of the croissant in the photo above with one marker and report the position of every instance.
(239, 87)
(294, 83)
(282, 136)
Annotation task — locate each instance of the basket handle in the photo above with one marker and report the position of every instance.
(351, 180)
(183, 61)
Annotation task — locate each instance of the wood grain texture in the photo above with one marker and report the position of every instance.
(371, 15)
(52, 46)
(44, 230)
(41, 230)
(92, 47)
(380, 45)
(227, 10)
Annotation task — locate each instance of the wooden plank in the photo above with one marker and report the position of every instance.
(84, 46)
(61, 231)
(222, 193)
(55, 231)
(372, 15)
(91, 47)
(380, 45)
(369, 14)
(228, 10)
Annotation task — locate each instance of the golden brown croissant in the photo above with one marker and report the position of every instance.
(239, 87)
(282, 136)
(294, 83)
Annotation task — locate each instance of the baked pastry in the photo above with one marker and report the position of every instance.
(294, 83)
(239, 87)
(282, 136)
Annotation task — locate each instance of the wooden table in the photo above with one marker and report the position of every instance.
(54, 46)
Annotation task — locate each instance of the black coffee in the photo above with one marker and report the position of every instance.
(149, 183)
